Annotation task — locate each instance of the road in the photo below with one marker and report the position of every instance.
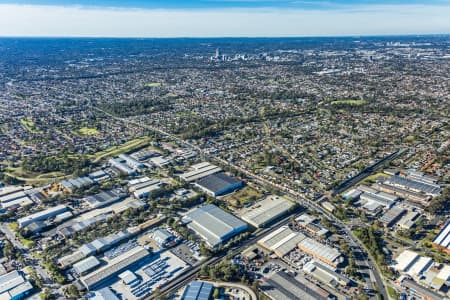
(299, 198)
(192, 273)
(353, 241)
(249, 291)
(28, 257)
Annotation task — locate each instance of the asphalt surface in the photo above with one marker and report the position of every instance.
(192, 273)
(373, 271)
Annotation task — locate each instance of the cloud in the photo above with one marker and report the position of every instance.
(38, 20)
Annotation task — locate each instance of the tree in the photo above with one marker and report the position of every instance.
(8, 249)
(204, 270)
(46, 295)
(72, 292)
(216, 294)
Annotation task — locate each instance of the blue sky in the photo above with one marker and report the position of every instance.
(215, 18)
(217, 4)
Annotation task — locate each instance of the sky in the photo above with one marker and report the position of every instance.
(222, 18)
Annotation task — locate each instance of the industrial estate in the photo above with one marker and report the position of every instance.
(225, 169)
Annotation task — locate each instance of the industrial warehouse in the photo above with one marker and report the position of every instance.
(14, 197)
(114, 267)
(219, 184)
(198, 290)
(442, 240)
(311, 224)
(200, 171)
(124, 164)
(424, 271)
(320, 251)
(42, 215)
(86, 265)
(326, 274)
(143, 187)
(282, 241)
(283, 286)
(95, 247)
(414, 184)
(214, 225)
(72, 184)
(266, 211)
(14, 286)
(105, 198)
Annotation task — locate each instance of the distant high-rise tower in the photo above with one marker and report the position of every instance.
(217, 53)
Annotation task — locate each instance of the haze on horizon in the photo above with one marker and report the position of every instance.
(222, 18)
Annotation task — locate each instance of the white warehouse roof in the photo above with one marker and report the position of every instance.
(282, 241)
(267, 210)
(405, 260)
(213, 224)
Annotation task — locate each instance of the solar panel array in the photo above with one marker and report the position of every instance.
(414, 185)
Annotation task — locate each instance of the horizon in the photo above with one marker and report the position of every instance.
(230, 37)
(222, 18)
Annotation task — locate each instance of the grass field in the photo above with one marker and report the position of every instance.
(153, 84)
(392, 293)
(373, 178)
(46, 178)
(14, 226)
(349, 102)
(87, 131)
(26, 242)
(116, 150)
(35, 178)
(29, 125)
(243, 196)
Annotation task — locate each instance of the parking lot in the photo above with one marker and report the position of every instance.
(188, 252)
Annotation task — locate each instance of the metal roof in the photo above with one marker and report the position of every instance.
(199, 171)
(217, 182)
(10, 280)
(267, 210)
(319, 250)
(104, 294)
(20, 290)
(161, 234)
(392, 214)
(128, 277)
(198, 290)
(104, 198)
(415, 185)
(116, 265)
(214, 224)
(405, 260)
(42, 215)
(429, 294)
(86, 264)
(375, 198)
(13, 284)
(443, 238)
(286, 287)
(282, 241)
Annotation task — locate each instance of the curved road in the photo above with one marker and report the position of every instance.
(299, 198)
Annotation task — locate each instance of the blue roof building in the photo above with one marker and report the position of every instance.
(219, 184)
(198, 290)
